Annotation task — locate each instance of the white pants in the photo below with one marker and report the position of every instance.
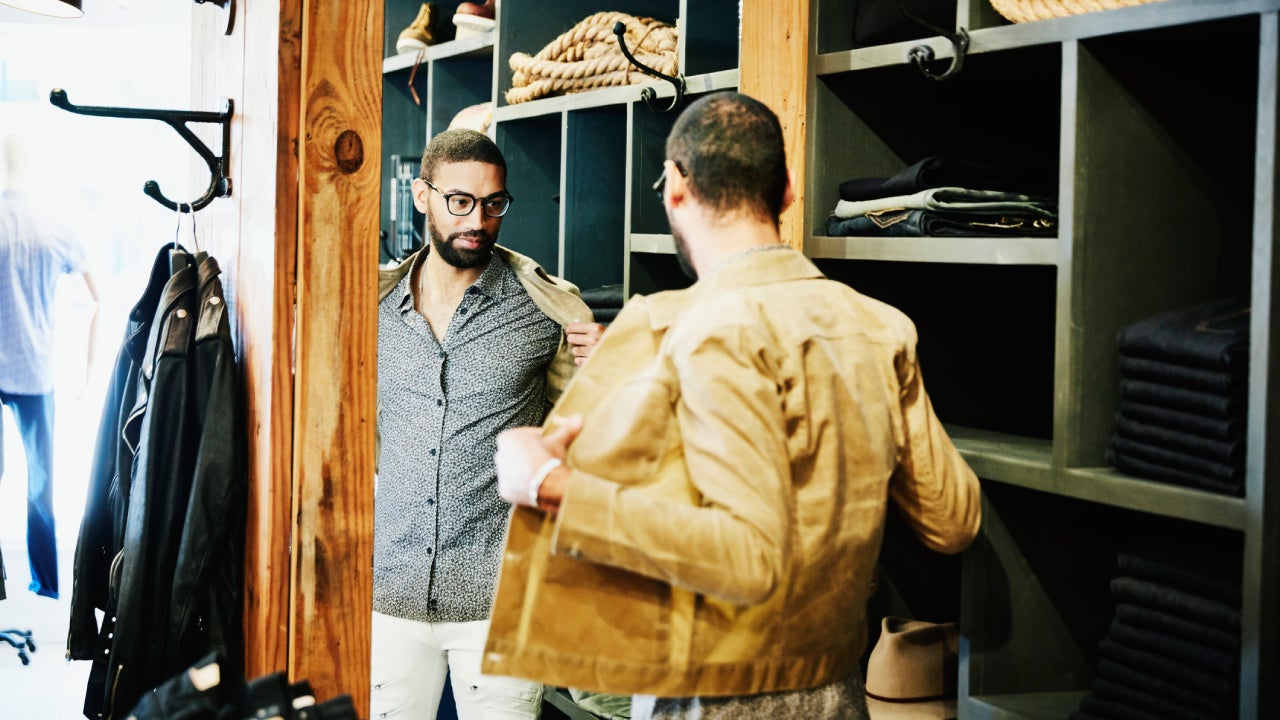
(409, 663)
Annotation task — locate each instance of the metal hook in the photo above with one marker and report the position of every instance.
(921, 54)
(648, 94)
(219, 180)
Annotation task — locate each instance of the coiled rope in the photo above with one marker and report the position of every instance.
(587, 57)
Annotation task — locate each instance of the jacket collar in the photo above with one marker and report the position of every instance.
(757, 266)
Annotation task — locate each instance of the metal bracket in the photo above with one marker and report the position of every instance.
(219, 181)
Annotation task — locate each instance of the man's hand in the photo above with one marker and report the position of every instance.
(522, 451)
(583, 337)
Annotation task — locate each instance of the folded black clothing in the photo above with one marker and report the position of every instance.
(1226, 452)
(1107, 689)
(339, 707)
(1167, 668)
(1140, 468)
(1181, 375)
(1221, 472)
(1177, 626)
(1229, 429)
(1212, 335)
(1217, 405)
(1114, 709)
(210, 689)
(603, 296)
(1140, 679)
(1147, 470)
(938, 171)
(1177, 602)
(1206, 659)
(1208, 569)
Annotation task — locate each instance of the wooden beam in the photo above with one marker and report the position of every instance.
(336, 345)
(774, 69)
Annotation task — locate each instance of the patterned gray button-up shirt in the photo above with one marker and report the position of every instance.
(439, 523)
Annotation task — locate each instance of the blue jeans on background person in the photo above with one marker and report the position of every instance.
(33, 415)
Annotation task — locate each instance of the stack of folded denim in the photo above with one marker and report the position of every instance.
(605, 301)
(1184, 376)
(941, 197)
(1173, 649)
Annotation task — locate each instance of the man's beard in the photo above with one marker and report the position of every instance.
(462, 259)
(682, 250)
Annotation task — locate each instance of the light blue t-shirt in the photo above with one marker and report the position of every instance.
(35, 248)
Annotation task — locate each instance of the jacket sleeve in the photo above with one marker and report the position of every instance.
(935, 489)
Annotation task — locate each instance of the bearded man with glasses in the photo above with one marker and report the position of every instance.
(473, 338)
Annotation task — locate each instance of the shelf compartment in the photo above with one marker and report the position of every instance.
(456, 83)
(648, 273)
(1185, 237)
(975, 250)
(836, 56)
(986, 336)
(595, 196)
(473, 47)
(879, 121)
(532, 149)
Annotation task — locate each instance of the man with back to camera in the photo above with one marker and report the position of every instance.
(472, 339)
(711, 491)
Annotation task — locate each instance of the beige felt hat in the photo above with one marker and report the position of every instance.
(911, 674)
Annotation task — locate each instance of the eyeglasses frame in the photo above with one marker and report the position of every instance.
(475, 201)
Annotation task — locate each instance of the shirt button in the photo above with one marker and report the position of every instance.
(431, 501)
(432, 451)
(462, 310)
(428, 551)
(439, 402)
(441, 354)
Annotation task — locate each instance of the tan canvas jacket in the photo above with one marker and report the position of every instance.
(728, 492)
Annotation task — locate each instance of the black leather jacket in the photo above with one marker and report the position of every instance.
(162, 541)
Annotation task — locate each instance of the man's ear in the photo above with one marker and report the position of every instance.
(420, 194)
(789, 195)
(677, 185)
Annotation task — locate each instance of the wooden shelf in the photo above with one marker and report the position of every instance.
(474, 46)
(653, 243)
(976, 250)
(1075, 27)
(619, 95)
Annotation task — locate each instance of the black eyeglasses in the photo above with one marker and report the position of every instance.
(461, 204)
(662, 179)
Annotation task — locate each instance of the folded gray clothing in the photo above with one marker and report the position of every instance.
(1141, 468)
(953, 199)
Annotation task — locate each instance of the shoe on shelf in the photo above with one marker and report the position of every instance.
(431, 26)
(473, 18)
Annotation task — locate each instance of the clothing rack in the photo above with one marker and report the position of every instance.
(219, 180)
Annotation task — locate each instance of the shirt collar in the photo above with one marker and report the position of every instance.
(492, 283)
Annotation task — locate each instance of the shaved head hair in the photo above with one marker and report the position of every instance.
(460, 145)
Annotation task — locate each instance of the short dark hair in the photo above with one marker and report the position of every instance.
(460, 145)
(730, 145)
